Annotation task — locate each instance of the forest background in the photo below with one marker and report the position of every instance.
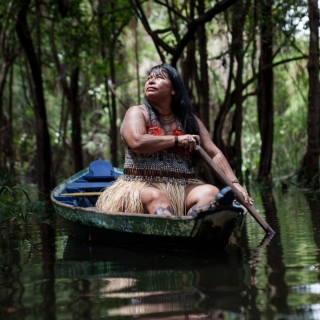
(71, 68)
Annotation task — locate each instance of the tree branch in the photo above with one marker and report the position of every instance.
(193, 26)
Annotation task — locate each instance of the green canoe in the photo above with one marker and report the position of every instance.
(74, 200)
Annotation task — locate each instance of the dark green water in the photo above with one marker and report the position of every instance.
(44, 274)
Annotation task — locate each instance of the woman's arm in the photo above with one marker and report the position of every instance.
(134, 133)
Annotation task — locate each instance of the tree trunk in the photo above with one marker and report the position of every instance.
(10, 149)
(228, 137)
(71, 92)
(7, 55)
(136, 57)
(203, 81)
(265, 91)
(239, 14)
(75, 108)
(176, 50)
(309, 171)
(43, 154)
(4, 123)
(108, 41)
(188, 64)
(220, 126)
(113, 115)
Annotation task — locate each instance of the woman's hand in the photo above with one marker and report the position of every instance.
(245, 194)
(188, 141)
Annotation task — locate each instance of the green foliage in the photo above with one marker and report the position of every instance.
(15, 204)
(99, 36)
(290, 106)
(18, 202)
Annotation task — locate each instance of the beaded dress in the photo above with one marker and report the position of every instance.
(169, 170)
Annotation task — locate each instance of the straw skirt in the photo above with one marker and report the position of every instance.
(125, 196)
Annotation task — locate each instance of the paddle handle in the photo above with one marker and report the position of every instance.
(238, 194)
(80, 194)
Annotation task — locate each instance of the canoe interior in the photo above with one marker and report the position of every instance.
(74, 200)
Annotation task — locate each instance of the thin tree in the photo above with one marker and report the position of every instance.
(110, 28)
(69, 81)
(265, 89)
(309, 170)
(176, 50)
(43, 152)
(202, 79)
(9, 51)
(228, 137)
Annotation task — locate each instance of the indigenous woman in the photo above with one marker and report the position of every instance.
(161, 137)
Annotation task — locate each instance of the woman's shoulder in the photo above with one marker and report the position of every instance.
(138, 111)
(141, 108)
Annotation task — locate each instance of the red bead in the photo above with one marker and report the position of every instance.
(155, 130)
(177, 132)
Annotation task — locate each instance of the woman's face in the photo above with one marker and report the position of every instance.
(158, 85)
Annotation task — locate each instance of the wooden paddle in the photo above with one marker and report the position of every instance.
(238, 194)
(81, 194)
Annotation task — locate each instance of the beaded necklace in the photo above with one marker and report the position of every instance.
(153, 128)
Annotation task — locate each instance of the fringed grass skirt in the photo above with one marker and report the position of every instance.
(125, 196)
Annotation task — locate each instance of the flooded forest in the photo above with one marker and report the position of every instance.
(70, 70)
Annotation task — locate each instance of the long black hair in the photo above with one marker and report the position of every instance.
(180, 104)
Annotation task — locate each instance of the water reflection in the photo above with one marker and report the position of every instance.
(143, 283)
(45, 274)
(276, 277)
(27, 288)
(292, 259)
